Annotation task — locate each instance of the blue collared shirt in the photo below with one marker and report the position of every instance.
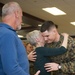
(13, 56)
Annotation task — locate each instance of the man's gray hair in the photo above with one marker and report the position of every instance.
(10, 8)
(32, 36)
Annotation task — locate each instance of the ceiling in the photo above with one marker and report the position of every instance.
(34, 8)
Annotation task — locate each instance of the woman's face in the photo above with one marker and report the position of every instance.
(41, 39)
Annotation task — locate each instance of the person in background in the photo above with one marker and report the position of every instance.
(30, 50)
(53, 39)
(29, 47)
(32, 54)
(13, 56)
(35, 38)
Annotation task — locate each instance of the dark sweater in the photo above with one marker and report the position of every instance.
(42, 57)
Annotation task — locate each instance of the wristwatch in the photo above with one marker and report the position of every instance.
(59, 67)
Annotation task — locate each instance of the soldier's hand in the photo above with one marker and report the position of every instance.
(37, 73)
(32, 56)
(51, 67)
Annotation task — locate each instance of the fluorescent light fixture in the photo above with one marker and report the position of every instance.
(54, 11)
(20, 36)
(39, 25)
(73, 23)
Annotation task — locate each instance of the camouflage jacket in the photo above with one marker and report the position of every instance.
(66, 60)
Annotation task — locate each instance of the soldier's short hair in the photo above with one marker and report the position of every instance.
(47, 25)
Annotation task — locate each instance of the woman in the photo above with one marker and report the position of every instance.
(36, 39)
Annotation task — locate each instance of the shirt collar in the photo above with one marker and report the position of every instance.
(7, 26)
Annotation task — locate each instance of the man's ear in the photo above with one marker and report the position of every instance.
(16, 14)
(54, 30)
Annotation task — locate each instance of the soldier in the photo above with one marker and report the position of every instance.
(30, 49)
(35, 38)
(65, 63)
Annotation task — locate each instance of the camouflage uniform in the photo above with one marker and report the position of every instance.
(66, 60)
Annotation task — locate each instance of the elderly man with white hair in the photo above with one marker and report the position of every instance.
(13, 57)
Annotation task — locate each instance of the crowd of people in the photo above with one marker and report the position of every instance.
(50, 52)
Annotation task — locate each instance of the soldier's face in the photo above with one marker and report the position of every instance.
(49, 36)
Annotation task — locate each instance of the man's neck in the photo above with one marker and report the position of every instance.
(57, 38)
(9, 20)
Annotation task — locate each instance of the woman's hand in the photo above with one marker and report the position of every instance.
(65, 34)
(32, 56)
(37, 73)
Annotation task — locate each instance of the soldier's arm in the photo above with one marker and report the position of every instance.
(69, 65)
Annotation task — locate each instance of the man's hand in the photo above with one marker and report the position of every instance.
(37, 73)
(32, 56)
(51, 67)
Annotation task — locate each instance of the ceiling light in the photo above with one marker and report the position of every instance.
(39, 25)
(54, 11)
(20, 36)
(73, 23)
